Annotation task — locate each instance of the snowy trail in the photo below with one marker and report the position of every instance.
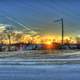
(71, 58)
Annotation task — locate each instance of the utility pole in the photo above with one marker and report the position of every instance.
(62, 25)
(62, 31)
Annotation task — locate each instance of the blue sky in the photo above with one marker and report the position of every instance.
(40, 15)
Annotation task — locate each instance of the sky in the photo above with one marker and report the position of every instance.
(40, 15)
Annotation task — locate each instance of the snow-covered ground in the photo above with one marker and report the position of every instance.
(47, 59)
(40, 72)
(18, 68)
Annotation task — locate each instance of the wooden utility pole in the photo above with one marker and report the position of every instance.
(62, 25)
(62, 31)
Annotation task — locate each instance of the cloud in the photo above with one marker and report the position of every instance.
(4, 27)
